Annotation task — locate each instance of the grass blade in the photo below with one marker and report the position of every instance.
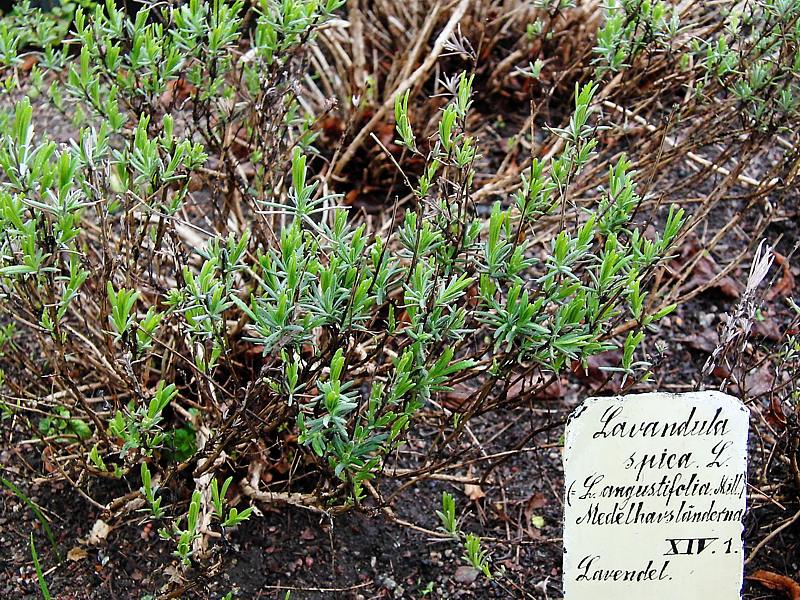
(39, 574)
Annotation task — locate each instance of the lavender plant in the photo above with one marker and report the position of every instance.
(183, 266)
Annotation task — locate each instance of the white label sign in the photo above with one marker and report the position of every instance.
(655, 496)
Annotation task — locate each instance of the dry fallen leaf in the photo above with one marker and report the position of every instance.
(521, 386)
(47, 461)
(705, 271)
(28, 62)
(595, 372)
(773, 581)
(77, 553)
(767, 327)
(785, 284)
(537, 500)
(760, 381)
(178, 91)
(99, 532)
(534, 522)
(457, 397)
(473, 492)
(705, 339)
(774, 414)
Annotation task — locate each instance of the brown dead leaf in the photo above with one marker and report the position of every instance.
(77, 553)
(704, 272)
(595, 373)
(282, 467)
(351, 197)
(28, 62)
(760, 381)
(775, 415)
(704, 339)
(473, 492)
(785, 285)
(721, 372)
(781, 583)
(757, 383)
(386, 133)
(456, 398)
(333, 126)
(177, 92)
(47, 460)
(538, 500)
(522, 386)
(767, 327)
(533, 521)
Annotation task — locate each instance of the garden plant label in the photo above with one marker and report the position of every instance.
(655, 492)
